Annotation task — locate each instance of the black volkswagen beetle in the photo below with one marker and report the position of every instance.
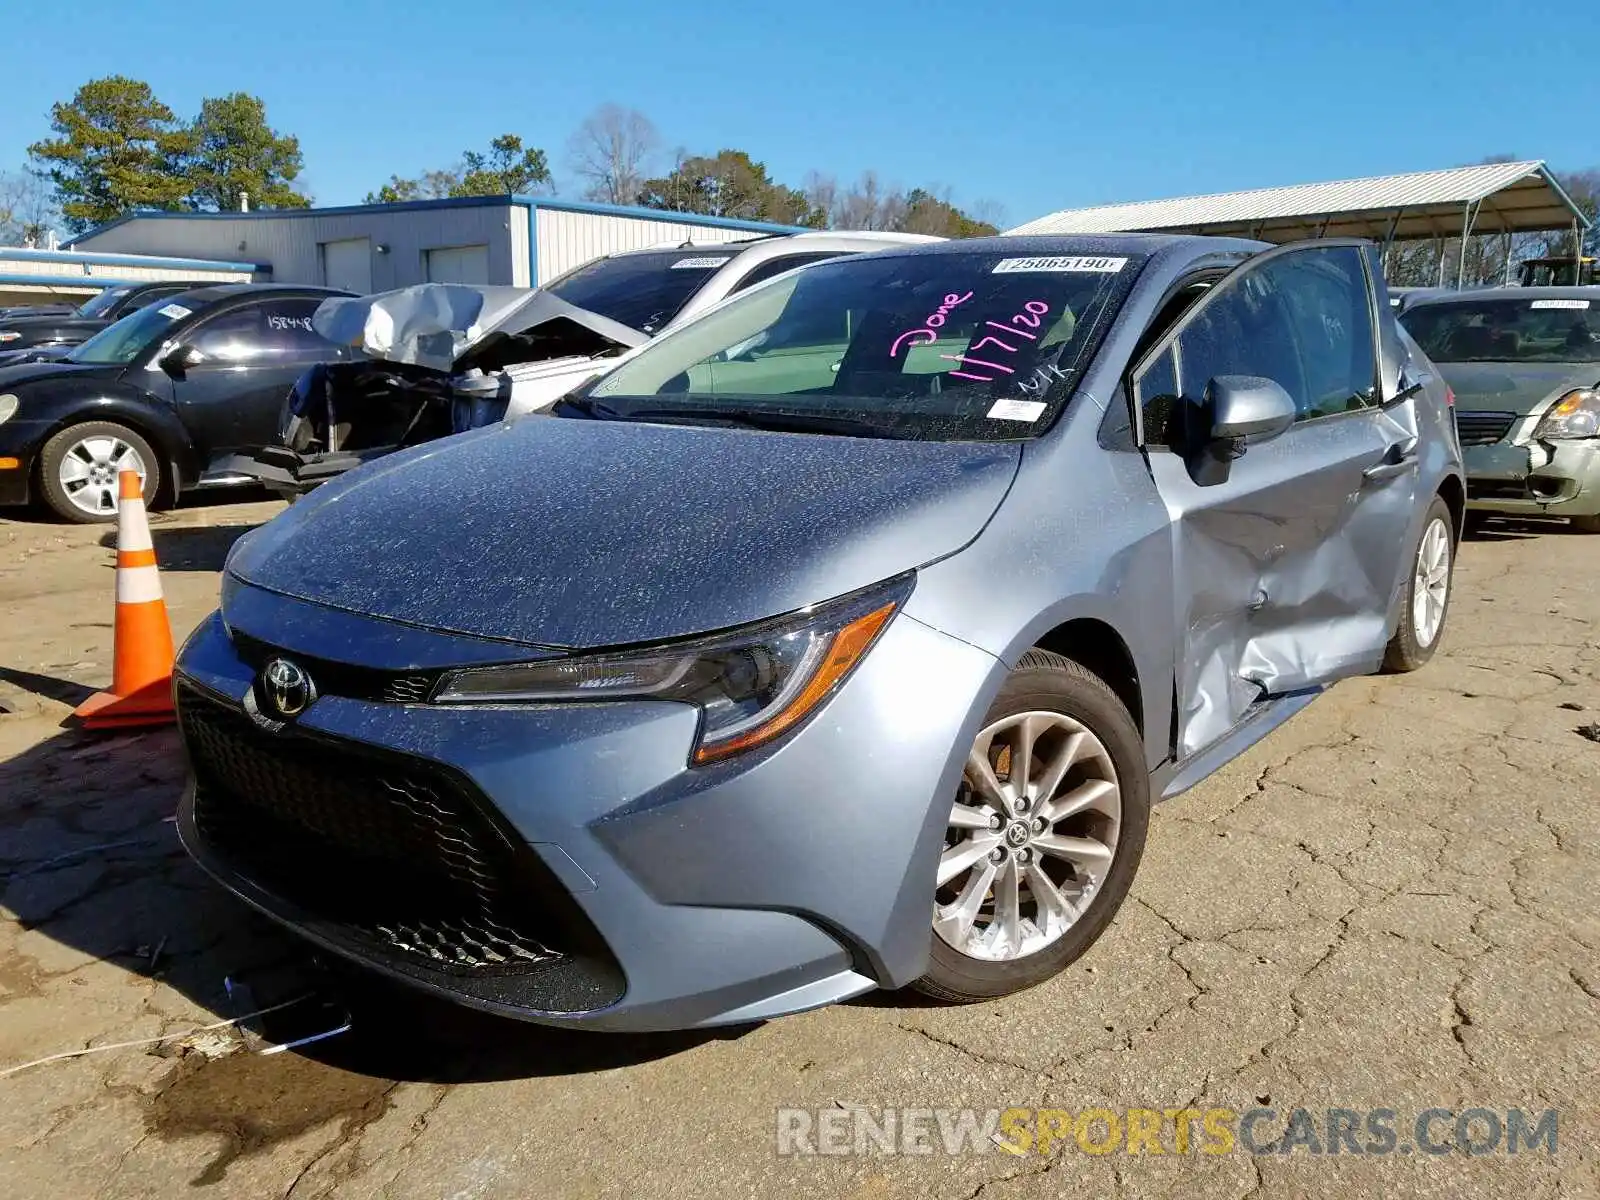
(169, 391)
(45, 329)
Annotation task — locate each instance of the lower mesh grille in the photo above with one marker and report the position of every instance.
(393, 853)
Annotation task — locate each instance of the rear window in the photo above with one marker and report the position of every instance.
(642, 291)
(1507, 329)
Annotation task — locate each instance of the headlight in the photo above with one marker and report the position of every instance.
(9, 335)
(750, 684)
(1575, 415)
(8, 406)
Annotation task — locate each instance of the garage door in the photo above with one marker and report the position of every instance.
(458, 264)
(348, 264)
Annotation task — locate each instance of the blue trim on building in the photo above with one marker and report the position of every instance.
(129, 260)
(655, 214)
(66, 281)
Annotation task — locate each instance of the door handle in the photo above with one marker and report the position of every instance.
(1397, 460)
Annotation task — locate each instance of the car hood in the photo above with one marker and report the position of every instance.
(55, 372)
(1513, 387)
(576, 533)
(449, 326)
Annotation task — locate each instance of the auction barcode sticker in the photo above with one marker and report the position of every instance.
(1016, 410)
(1109, 266)
(1559, 304)
(697, 262)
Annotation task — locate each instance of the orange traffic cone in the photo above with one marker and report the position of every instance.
(141, 670)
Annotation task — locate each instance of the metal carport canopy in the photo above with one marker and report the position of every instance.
(1515, 197)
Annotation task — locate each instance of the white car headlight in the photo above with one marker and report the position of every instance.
(1575, 415)
(8, 406)
(750, 684)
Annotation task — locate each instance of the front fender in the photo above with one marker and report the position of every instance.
(145, 413)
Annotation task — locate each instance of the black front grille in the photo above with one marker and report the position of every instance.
(1483, 428)
(387, 851)
(343, 679)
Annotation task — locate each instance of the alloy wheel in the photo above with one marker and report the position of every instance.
(90, 471)
(1431, 587)
(1031, 837)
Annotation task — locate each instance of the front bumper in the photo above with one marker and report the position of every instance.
(673, 897)
(289, 474)
(19, 440)
(1550, 479)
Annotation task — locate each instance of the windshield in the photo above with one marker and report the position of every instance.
(104, 302)
(125, 340)
(641, 291)
(1510, 330)
(947, 346)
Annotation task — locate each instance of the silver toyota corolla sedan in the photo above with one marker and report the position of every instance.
(839, 640)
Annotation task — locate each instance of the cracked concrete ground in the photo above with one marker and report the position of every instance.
(1390, 903)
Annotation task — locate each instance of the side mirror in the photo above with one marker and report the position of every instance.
(178, 360)
(1247, 408)
(1242, 409)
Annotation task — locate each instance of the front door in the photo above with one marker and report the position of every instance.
(1285, 565)
(248, 357)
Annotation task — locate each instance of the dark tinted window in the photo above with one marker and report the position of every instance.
(1329, 309)
(151, 295)
(268, 329)
(1303, 320)
(774, 267)
(102, 304)
(642, 291)
(1156, 393)
(1543, 329)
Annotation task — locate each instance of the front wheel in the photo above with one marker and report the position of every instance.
(1427, 598)
(79, 469)
(1044, 834)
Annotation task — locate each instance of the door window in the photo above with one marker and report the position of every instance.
(1302, 319)
(267, 331)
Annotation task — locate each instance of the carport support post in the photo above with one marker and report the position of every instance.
(1461, 258)
(1388, 242)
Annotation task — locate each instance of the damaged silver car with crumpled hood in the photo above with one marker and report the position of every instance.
(882, 602)
(437, 359)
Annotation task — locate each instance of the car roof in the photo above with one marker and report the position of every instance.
(213, 292)
(1467, 295)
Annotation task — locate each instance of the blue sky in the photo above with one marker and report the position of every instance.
(1036, 106)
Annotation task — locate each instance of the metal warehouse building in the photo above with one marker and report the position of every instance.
(517, 240)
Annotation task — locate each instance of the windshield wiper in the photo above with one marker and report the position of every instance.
(775, 422)
(582, 406)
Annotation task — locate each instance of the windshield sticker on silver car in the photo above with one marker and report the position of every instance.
(176, 312)
(1016, 410)
(1559, 304)
(697, 262)
(1108, 266)
(933, 321)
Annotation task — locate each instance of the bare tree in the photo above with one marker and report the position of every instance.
(27, 209)
(611, 151)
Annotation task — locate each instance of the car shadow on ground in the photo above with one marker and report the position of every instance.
(38, 514)
(90, 858)
(189, 547)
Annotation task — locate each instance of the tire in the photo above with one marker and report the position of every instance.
(1586, 524)
(1059, 695)
(118, 441)
(1412, 647)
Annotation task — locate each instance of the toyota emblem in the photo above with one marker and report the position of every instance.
(286, 688)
